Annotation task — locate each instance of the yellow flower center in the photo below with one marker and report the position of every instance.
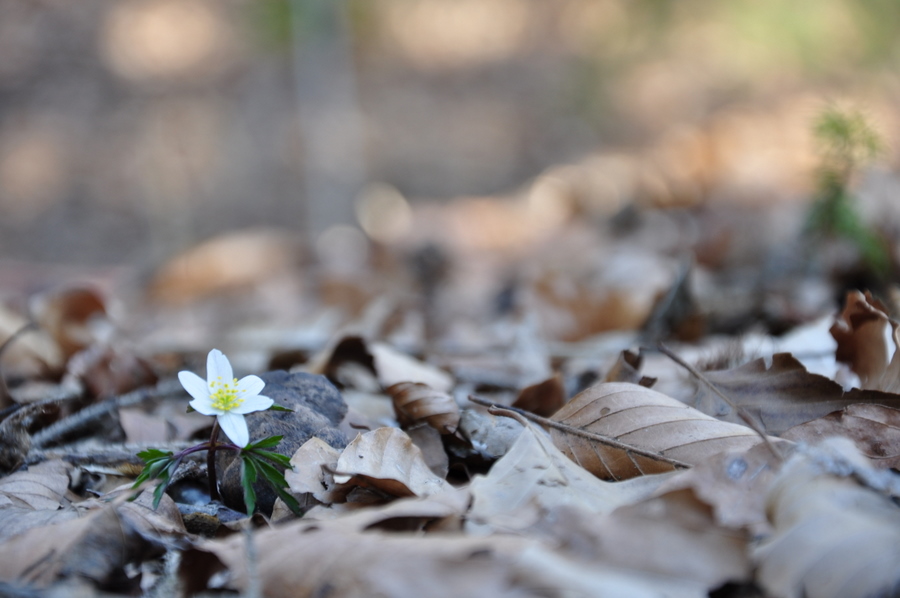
(224, 394)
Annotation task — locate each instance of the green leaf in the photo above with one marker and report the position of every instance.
(153, 454)
(155, 467)
(264, 443)
(249, 474)
(282, 460)
(275, 407)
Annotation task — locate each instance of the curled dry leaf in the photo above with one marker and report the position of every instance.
(535, 476)
(666, 432)
(388, 460)
(833, 538)
(862, 332)
(874, 429)
(628, 369)
(416, 402)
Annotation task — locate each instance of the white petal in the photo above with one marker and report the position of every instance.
(194, 385)
(254, 403)
(205, 407)
(218, 367)
(235, 427)
(249, 386)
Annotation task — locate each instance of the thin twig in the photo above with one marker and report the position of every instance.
(742, 413)
(105, 455)
(599, 438)
(82, 419)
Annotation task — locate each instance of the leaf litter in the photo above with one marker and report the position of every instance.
(586, 463)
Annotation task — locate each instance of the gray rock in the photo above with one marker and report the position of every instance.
(317, 409)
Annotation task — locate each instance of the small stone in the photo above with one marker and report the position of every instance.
(317, 410)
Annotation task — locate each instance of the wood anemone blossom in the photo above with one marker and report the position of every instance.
(226, 397)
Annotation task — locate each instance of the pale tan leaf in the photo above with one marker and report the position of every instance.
(74, 316)
(674, 535)
(416, 402)
(874, 429)
(833, 537)
(311, 473)
(392, 366)
(96, 546)
(388, 460)
(535, 476)
(299, 561)
(42, 486)
(665, 431)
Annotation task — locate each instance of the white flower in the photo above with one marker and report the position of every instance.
(226, 397)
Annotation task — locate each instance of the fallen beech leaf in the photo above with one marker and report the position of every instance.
(297, 561)
(96, 546)
(388, 460)
(32, 354)
(833, 538)
(535, 476)
(389, 365)
(674, 535)
(74, 316)
(109, 371)
(431, 443)
(544, 398)
(42, 486)
(861, 333)
(874, 429)
(734, 485)
(665, 430)
(311, 473)
(415, 402)
(490, 435)
(778, 396)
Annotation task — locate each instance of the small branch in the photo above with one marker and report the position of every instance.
(84, 418)
(599, 438)
(742, 413)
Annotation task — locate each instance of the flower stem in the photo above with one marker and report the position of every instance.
(211, 463)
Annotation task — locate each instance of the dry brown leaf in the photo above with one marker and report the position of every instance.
(674, 535)
(665, 430)
(297, 561)
(535, 476)
(833, 537)
(874, 429)
(388, 460)
(34, 498)
(33, 354)
(74, 316)
(544, 398)
(416, 402)
(778, 395)
(109, 371)
(312, 470)
(389, 365)
(734, 485)
(96, 546)
(431, 443)
(861, 333)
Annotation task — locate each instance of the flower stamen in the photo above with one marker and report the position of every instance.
(224, 395)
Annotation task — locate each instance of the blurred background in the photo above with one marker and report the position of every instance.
(132, 129)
